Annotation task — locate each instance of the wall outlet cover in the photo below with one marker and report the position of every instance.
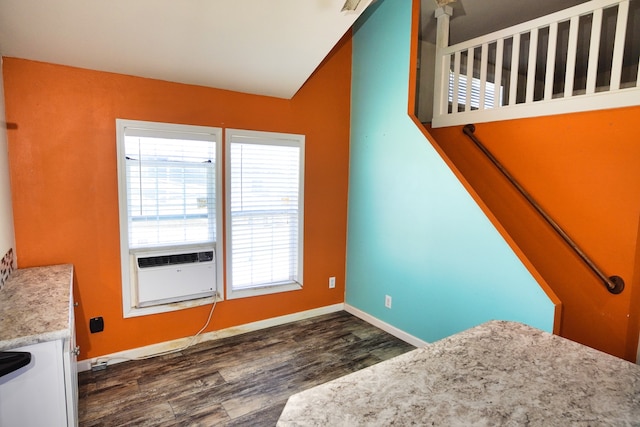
(96, 324)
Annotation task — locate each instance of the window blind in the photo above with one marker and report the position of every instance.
(266, 211)
(489, 101)
(170, 188)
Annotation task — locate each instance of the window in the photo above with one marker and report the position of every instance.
(264, 212)
(168, 193)
(489, 101)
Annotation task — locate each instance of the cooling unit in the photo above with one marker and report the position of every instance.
(164, 277)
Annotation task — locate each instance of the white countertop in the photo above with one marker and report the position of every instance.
(498, 373)
(34, 306)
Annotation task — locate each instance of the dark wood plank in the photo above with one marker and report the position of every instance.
(236, 381)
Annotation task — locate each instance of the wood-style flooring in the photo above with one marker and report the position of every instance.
(240, 380)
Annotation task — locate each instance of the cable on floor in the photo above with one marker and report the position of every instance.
(106, 360)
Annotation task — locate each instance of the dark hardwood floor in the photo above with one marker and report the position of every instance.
(240, 380)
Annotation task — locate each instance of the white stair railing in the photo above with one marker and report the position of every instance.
(568, 61)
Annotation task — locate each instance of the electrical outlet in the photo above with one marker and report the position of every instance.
(99, 366)
(387, 301)
(332, 282)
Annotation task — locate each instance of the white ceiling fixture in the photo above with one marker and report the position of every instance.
(350, 5)
(253, 46)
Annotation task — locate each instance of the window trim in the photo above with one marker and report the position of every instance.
(287, 139)
(126, 253)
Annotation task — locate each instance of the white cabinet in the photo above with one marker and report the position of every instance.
(35, 395)
(45, 392)
(37, 316)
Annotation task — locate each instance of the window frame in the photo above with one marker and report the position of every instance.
(263, 138)
(127, 254)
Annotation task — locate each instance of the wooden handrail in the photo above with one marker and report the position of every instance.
(614, 284)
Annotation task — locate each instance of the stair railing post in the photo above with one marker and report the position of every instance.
(441, 77)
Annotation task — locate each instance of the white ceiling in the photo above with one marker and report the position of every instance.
(265, 47)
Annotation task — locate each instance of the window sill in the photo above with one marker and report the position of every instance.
(263, 290)
(174, 306)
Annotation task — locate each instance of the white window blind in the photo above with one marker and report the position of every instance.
(264, 207)
(489, 101)
(170, 182)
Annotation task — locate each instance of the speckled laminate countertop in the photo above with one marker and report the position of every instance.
(498, 373)
(34, 306)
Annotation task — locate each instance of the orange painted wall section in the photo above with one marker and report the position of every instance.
(65, 195)
(583, 169)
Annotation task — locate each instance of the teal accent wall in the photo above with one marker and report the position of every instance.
(414, 232)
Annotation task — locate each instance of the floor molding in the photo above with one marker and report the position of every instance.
(385, 326)
(154, 349)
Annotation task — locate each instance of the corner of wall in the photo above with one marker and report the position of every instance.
(414, 233)
(7, 233)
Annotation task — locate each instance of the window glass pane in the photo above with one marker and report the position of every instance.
(489, 101)
(265, 210)
(170, 191)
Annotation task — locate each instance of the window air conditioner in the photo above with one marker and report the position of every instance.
(165, 277)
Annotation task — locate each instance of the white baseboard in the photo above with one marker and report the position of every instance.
(155, 349)
(385, 326)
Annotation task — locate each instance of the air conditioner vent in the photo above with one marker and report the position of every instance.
(188, 258)
(170, 276)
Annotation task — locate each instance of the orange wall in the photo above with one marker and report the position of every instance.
(583, 169)
(64, 185)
